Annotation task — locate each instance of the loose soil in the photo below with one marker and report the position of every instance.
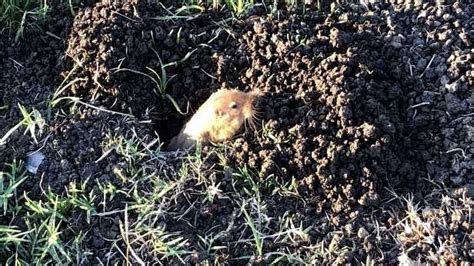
(357, 103)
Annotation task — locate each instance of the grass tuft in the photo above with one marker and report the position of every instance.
(19, 16)
(32, 121)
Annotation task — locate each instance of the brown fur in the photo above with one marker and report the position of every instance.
(217, 120)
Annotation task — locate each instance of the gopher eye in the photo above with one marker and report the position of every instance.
(233, 105)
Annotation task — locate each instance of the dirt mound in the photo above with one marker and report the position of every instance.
(129, 58)
(340, 92)
(335, 125)
(335, 110)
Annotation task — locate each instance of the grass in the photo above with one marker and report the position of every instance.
(38, 238)
(208, 243)
(9, 182)
(418, 225)
(161, 78)
(151, 195)
(19, 16)
(151, 182)
(152, 192)
(152, 203)
(185, 12)
(239, 6)
(58, 97)
(32, 121)
(256, 235)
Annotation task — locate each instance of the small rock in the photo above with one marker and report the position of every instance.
(422, 15)
(444, 80)
(435, 45)
(349, 228)
(396, 42)
(418, 41)
(454, 105)
(449, 144)
(362, 233)
(470, 101)
(169, 43)
(369, 199)
(457, 86)
(105, 178)
(447, 17)
(439, 12)
(249, 73)
(427, 96)
(440, 69)
(396, 45)
(421, 64)
(65, 165)
(465, 38)
(443, 36)
(457, 23)
(98, 242)
(456, 178)
(257, 28)
(447, 44)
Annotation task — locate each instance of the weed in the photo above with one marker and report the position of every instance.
(238, 7)
(109, 190)
(252, 189)
(287, 257)
(212, 191)
(31, 120)
(419, 225)
(185, 12)
(54, 100)
(10, 236)
(38, 240)
(257, 236)
(161, 243)
(79, 199)
(206, 243)
(161, 79)
(369, 262)
(128, 148)
(14, 178)
(18, 16)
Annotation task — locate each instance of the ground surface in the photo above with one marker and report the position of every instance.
(364, 150)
